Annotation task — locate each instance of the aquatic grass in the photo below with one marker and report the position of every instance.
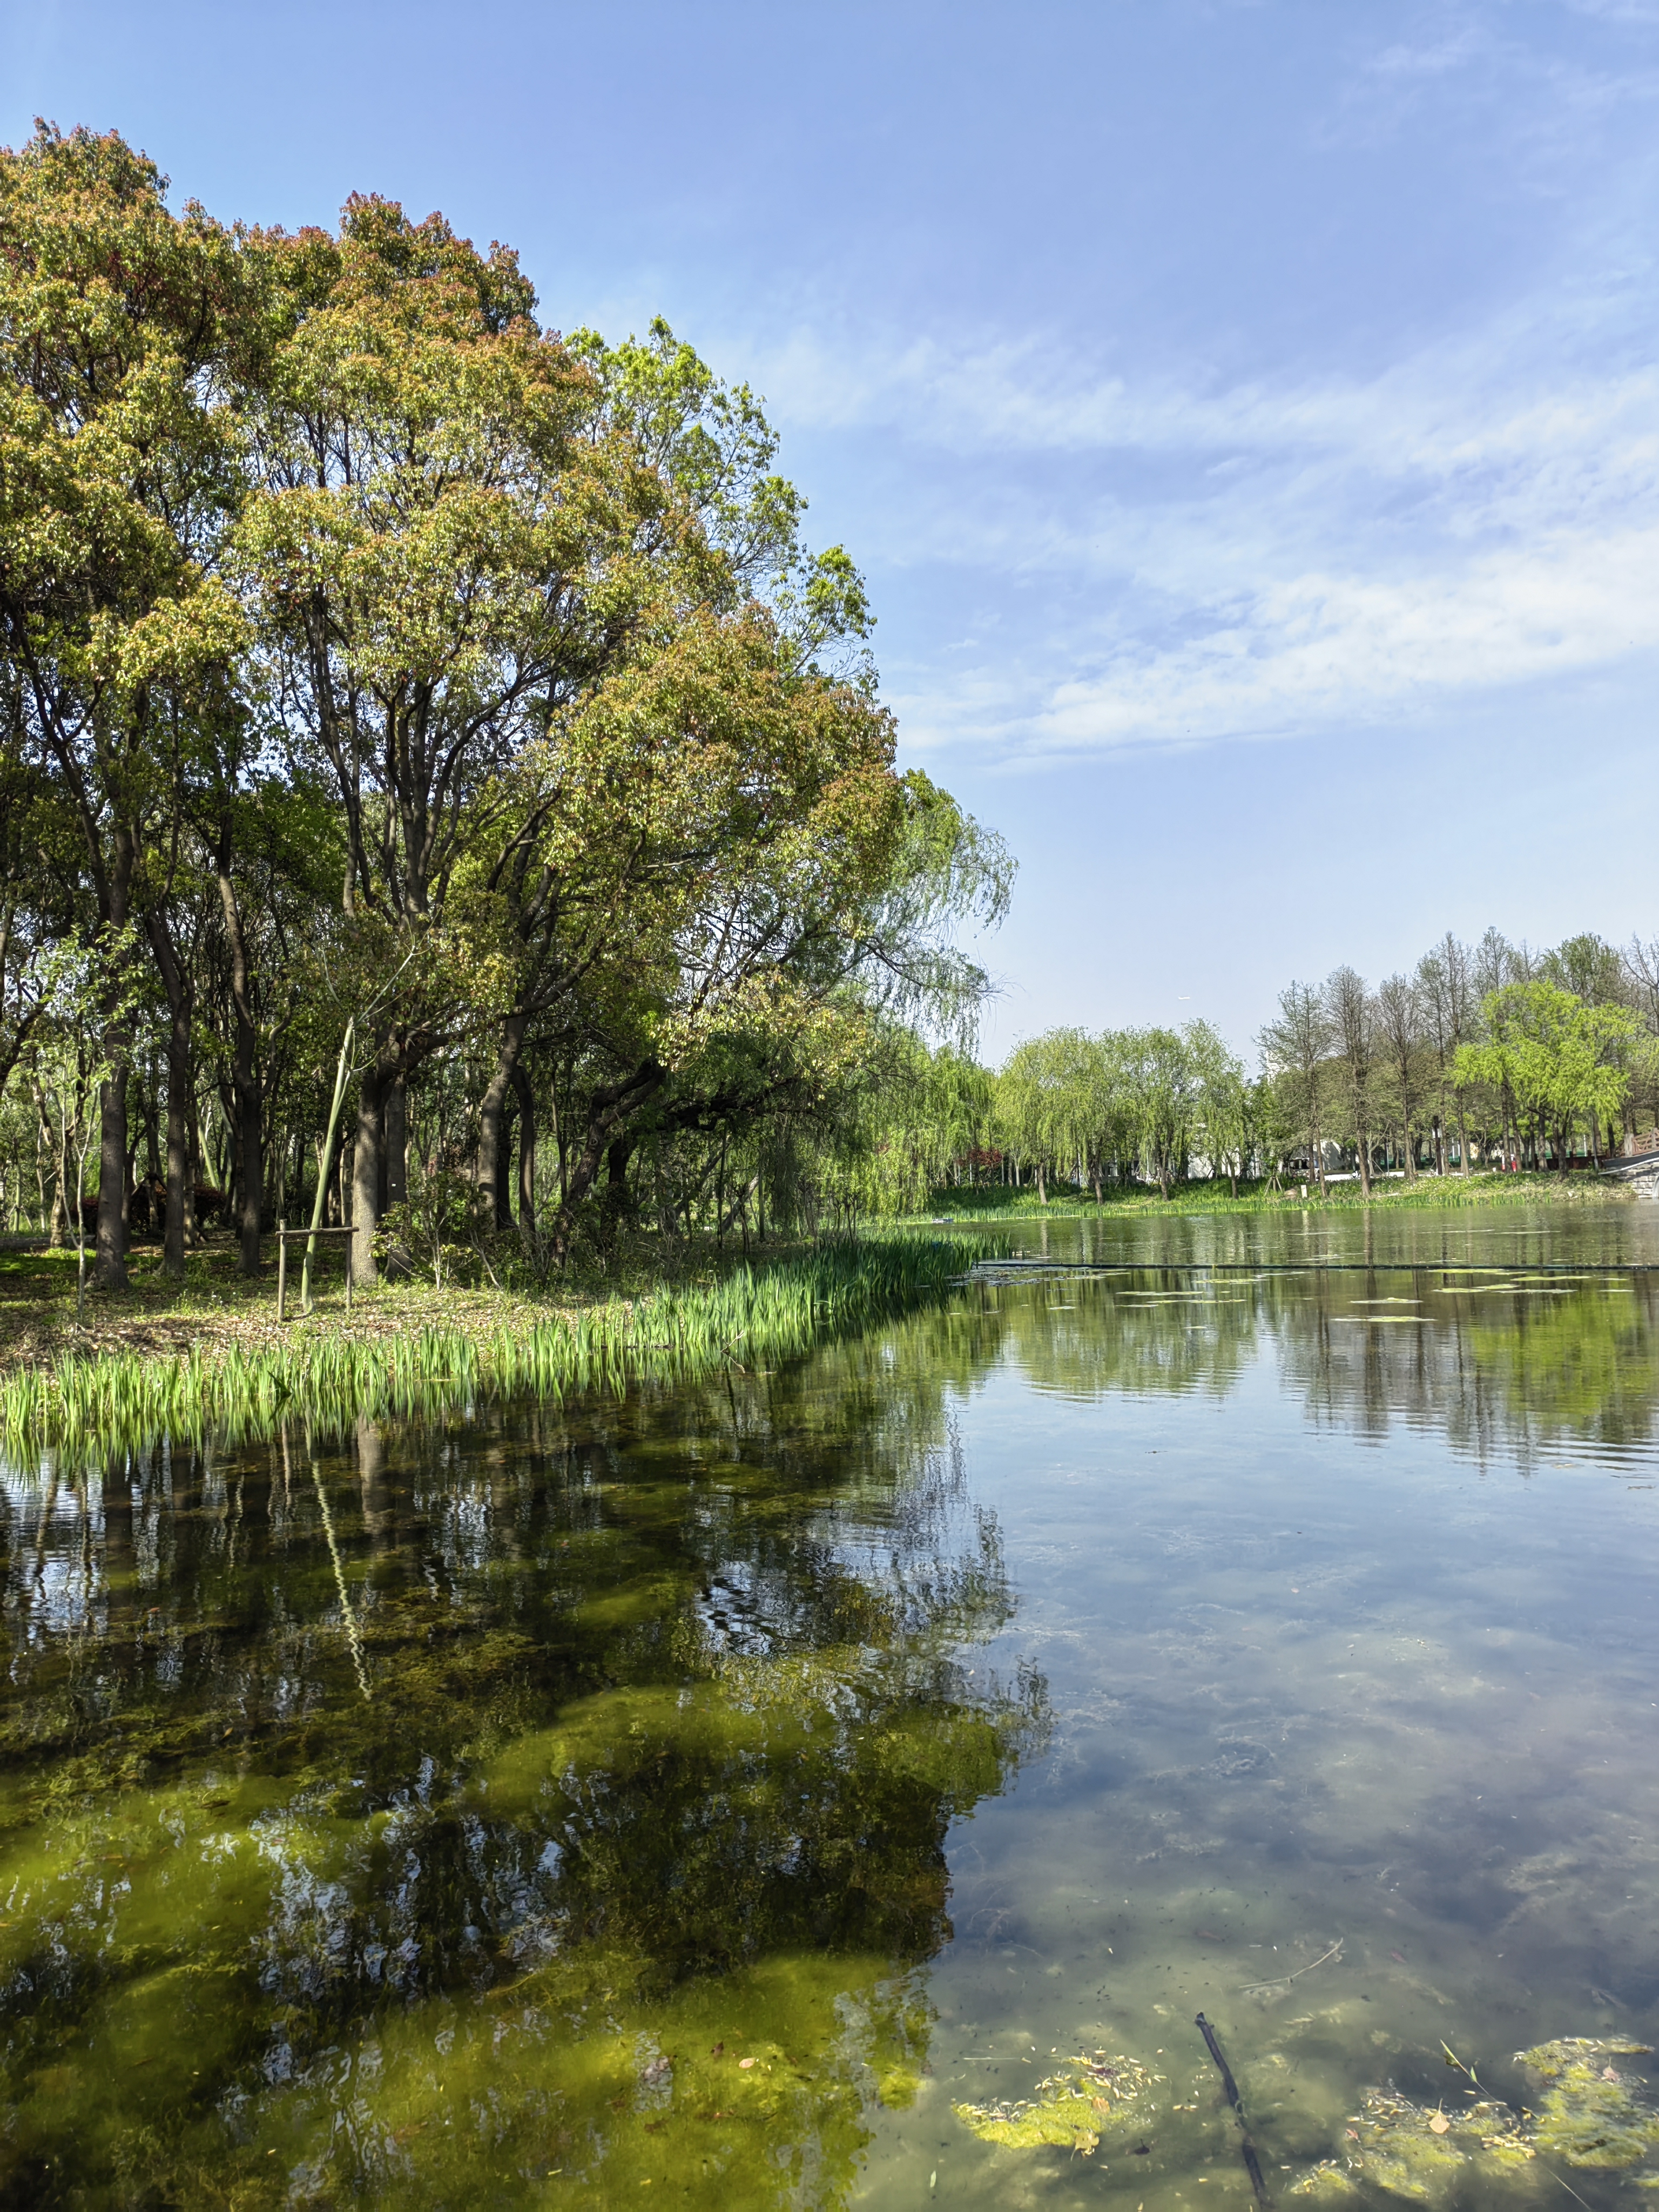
(748, 1318)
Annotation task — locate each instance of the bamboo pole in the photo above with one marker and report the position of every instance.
(328, 1152)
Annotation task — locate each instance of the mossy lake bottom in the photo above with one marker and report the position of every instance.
(844, 1784)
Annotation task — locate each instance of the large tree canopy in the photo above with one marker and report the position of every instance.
(377, 659)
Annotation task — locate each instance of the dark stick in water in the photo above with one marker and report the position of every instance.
(1252, 2163)
(1227, 2080)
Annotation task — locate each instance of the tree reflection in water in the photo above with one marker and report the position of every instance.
(416, 1816)
(1512, 1365)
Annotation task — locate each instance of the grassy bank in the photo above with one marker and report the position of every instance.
(229, 1372)
(1427, 1193)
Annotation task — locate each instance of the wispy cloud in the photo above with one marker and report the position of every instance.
(1265, 558)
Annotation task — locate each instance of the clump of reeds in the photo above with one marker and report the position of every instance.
(748, 1318)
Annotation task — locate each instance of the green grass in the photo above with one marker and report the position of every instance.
(1429, 1192)
(748, 1318)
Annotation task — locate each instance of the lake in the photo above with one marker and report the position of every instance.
(846, 1784)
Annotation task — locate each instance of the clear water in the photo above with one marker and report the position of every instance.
(445, 1814)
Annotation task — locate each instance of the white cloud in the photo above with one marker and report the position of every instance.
(1321, 651)
(1264, 558)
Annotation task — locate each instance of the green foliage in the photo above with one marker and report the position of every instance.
(747, 1318)
(1560, 1060)
(388, 658)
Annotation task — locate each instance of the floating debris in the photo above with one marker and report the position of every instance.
(1072, 2109)
(1589, 2113)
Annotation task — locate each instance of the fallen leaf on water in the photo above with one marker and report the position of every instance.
(1608, 2074)
(745, 2061)
(1398, 1954)
(1439, 2125)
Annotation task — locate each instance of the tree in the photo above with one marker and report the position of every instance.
(1222, 1103)
(1400, 1033)
(1047, 1102)
(1294, 1048)
(1445, 994)
(1352, 1017)
(1563, 1062)
(117, 476)
(1161, 1083)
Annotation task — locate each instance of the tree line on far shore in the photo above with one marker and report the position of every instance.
(1482, 1055)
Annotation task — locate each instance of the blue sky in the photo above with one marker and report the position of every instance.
(1246, 415)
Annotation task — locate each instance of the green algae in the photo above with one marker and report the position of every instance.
(1074, 2109)
(482, 1846)
(1423, 2154)
(1401, 2150)
(1588, 2117)
(1589, 2113)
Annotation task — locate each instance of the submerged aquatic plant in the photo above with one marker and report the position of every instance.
(1589, 2113)
(1072, 2109)
(1419, 2151)
(747, 1319)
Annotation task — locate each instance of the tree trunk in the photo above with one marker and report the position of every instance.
(527, 1098)
(493, 1159)
(395, 1178)
(245, 1067)
(110, 1273)
(609, 1107)
(365, 1174)
(176, 982)
(110, 1270)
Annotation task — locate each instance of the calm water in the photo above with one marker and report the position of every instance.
(705, 1794)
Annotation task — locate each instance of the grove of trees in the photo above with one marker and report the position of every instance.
(1480, 1055)
(434, 771)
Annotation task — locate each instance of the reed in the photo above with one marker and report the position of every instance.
(748, 1318)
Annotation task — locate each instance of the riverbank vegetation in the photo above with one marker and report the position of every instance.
(216, 1362)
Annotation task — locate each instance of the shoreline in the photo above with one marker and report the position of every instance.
(1429, 1194)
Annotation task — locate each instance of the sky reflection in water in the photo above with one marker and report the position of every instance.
(1016, 1682)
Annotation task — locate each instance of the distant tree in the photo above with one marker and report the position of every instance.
(1588, 967)
(1445, 994)
(1400, 1033)
(1352, 1017)
(1295, 1047)
(1163, 1091)
(1563, 1062)
(1046, 1103)
(1222, 1102)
